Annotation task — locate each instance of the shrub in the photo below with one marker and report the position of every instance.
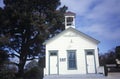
(7, 75)
(34, 73)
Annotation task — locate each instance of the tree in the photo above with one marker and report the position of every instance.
(117, 51)
(34, 73)
(107, 58)
(3, 54)
(31, 64)
(41, 62)
(110, 57)
(34, 69)
(3, 58)
(30, 23)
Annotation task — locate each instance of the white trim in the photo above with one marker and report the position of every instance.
(68, 60)
(94, 59)
(50, 61)
(73, 30)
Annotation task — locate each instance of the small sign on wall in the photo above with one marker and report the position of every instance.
(62, 59)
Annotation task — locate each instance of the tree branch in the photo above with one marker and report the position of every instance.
(13, 63)
(14, 49)
(32, 58)
(15, 55)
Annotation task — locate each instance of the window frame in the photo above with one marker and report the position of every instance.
(69, 21)
(68, 60)
(53, 53)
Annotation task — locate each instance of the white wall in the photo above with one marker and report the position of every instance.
(71, 41)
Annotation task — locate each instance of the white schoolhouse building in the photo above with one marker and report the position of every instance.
(71, 51)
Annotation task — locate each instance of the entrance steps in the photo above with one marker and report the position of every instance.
(86, 76)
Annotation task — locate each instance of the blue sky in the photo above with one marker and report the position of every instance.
(97, 18)
(1, 3)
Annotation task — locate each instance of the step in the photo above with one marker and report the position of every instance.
(86, 76)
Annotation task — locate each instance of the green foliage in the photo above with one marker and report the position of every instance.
(4, 40)
(7, 74)
(107, 58)
(41, 62)
(19, 78)
(110, 58)
(29, 23)
(31, 65)
(117, 51)
(34, 73)
(3, 58)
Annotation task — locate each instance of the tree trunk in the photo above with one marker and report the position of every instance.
(20, 71)
(21, 65)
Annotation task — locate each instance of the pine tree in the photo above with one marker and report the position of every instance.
(29, 23)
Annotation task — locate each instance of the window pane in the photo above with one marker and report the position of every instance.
(72, 64)
(70, 21)
(53, 53)
(71, 60)
(71, 55)
(90, 53)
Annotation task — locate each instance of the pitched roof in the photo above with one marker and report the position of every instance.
(78, 32)
(69, 14)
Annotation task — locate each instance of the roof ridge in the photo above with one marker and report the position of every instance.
(69, 13)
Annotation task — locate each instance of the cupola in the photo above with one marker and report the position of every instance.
(69, 19)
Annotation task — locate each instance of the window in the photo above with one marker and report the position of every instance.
(53, 53)
(89, 52)
(72, 59)
(69, 21)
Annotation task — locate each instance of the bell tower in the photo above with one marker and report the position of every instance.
(69, 19)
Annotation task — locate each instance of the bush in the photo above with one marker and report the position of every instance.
(34, 73)
(7, 75)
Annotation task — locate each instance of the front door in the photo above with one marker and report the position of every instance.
(90, 62)
(53, 63)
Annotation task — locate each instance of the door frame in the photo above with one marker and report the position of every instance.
(86, 50)
(57, 61)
